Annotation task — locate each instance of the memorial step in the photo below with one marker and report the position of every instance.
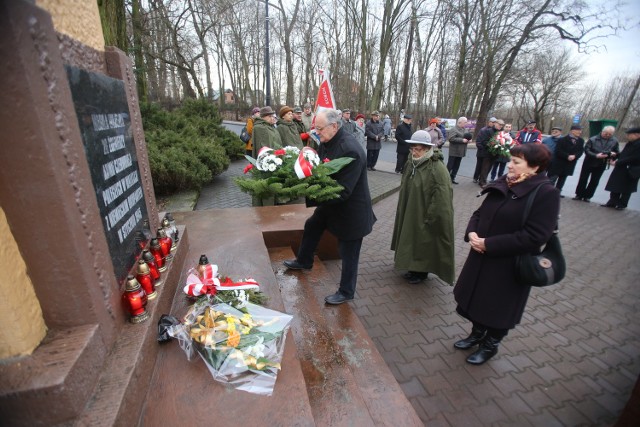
(348, 381)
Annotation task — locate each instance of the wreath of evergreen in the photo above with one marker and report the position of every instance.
(273, 175)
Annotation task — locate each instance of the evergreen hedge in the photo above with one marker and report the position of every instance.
(188, 146)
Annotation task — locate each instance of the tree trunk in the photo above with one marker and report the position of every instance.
(114, 24)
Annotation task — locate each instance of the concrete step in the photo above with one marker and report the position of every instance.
(348, 382)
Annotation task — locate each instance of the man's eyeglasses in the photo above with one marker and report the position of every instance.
(320, 129)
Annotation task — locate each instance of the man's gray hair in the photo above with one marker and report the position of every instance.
(463, 118)
(609, 129)
(332, 116)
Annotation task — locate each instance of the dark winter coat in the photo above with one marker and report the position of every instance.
(457, 148)
(487, 291)
(351, 216)
(423, 236)
(621, 180)
(372, 130)
(349, 126)
(403, 133)
(566, 146)
(482, 141)
(596, 145)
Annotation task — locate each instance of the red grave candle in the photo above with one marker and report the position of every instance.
(153, 268)
(156, 251)
(143, 277)
(136, 300)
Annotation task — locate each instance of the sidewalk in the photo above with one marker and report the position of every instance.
(574, 359)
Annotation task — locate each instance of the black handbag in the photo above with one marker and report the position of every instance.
(545, 268)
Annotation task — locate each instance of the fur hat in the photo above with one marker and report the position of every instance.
(284, 110)
(266, 111)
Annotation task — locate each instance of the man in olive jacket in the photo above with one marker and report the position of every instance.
(349, 218)
(264, 132)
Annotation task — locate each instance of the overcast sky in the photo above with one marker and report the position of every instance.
(622, 54)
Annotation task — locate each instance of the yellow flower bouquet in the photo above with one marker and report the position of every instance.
(240, 348)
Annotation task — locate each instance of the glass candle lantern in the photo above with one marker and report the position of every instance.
(143, 276)
(136, 300)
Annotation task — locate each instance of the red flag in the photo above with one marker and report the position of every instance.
(325, 99)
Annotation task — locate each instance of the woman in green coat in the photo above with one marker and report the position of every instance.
(423, 230)
(288, 129)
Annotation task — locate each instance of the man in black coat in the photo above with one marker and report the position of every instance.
(349, 217)
(403, 133)
(374, 130)
(569, 148)
(626, 172)
(598, 150)
(483, 154)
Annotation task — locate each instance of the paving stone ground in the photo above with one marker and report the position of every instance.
(572, 361)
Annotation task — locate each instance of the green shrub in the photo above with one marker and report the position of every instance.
(187, 147)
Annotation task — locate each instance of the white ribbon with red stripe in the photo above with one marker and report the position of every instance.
(196, 287)
(303, 167)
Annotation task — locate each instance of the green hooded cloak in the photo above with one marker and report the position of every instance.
(423, 231)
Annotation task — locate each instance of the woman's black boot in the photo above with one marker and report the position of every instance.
(488, 348)
(477, 334)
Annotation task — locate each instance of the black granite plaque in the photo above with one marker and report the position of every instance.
(103, 115)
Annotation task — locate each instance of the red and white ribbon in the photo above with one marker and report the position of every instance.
(264, 150)
(303, 167)
(195, 286)
(229, 284)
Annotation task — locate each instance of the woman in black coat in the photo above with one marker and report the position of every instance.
(487, 292)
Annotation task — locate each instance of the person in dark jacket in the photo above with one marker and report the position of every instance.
(487, 292)
(598, 150)
(569, 148)
(374, 131)
(458, 140)
(349, 218)
(403, 133)
(482, 144)
(626, 172)
(479, 160)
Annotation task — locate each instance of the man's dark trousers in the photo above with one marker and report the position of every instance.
(587, 191)
(372, 158)
(453, 164)
(349, 252)
(401, 161)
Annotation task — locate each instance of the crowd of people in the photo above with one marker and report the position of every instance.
(488, 292)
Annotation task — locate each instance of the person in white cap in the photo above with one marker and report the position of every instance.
(423, 238)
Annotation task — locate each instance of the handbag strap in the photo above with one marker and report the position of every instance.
(527, 207)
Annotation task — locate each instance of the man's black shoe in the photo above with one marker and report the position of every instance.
(373, 169)
(475, 181)
(293, 264)
(577, 198)
(337, 298)
(607, 205)
(561, 196)
(620, 208)
(454, 182)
